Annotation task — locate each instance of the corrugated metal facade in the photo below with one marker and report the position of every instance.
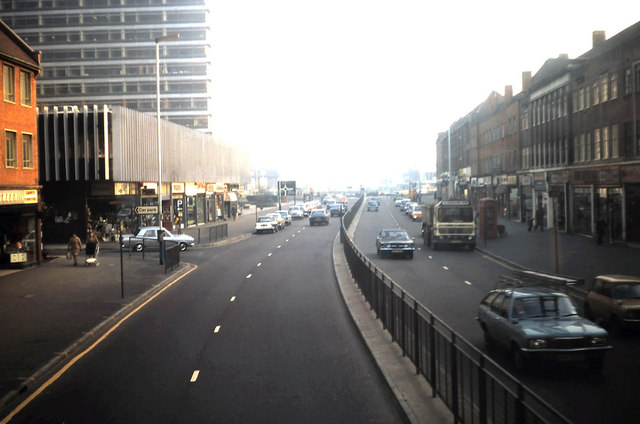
(73, 138)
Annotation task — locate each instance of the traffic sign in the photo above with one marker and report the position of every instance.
(146, 210)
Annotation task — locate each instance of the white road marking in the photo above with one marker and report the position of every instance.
(445, 268)
(430, 257)
(467, 283)
(194, 376)
(286, 241)
(249, 276)
(217, 329)
(293, 235)
(233, 299)
(259, 264)
(279, 246)
(269, 254)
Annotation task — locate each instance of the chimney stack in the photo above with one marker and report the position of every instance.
(508, 93)
(598, 38)
(526, 81)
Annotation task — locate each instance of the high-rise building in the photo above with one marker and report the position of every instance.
(104, 52)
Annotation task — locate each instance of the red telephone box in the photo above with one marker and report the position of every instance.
(487, 218)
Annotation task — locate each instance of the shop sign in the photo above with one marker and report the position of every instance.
(219, 188)
(191, 189)
(539, 182)
(511, 180)
(609, 176)
(561, 177)
(201, 188)
(18, 197)
(581, 177)
(630, 174)
(18, 257)
(525, 180)
(211, 188)
(177, 188)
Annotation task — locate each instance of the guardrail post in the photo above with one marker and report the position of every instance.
(416, 335)
(392, 312)
(403, 324)
(520, 409)
(482, 392)
(432, 350)
(454, 379)
(383, 305)
(198, 235)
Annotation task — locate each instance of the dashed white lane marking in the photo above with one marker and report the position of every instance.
(286, 241)
(279, 246)
(293, 235)
(217, 329)
(467, 283)
(194, 376)
(445, 268)
(269, 254)
(259, 264)
(233, 299)
(249, 276)
(299, 231)
(430, 257)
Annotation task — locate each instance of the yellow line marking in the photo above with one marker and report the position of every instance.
(64, 369)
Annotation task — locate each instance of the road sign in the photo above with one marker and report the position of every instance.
(287, 188)
(146, 210)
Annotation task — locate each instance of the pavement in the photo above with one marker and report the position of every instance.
(52, 312)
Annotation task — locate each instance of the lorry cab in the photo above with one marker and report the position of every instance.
(449, 222)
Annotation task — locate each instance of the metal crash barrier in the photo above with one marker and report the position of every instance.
(475, 388)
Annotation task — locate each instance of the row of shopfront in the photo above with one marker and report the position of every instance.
(572, 200)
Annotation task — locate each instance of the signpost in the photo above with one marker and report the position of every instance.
(146, 210)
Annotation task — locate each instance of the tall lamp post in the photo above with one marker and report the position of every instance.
(159, 40)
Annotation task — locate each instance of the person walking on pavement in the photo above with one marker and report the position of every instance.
(539, 219)
(530, 222)
(92, 245)
(74, 247)
(601, 228)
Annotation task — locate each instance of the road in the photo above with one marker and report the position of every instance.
(257, 333)
(452, 282)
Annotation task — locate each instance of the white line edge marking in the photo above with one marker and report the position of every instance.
(217, 329)
(194, 376)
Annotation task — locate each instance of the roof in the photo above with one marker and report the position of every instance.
(532, 291)
(15, 50)
(618, 278)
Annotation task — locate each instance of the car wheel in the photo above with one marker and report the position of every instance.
(138, 247)
(183, 247)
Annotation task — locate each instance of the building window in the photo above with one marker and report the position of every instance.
(605, 143)
(581, 101)
(613, 82)
(596, 93)
(587, 147)
(27, 150)
(587, 98)
(615, 141)
(604, 86)
(627, 81)
(596, 144)
(25, 88)
(11, 154)
(9, 83)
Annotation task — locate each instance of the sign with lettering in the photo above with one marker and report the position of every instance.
(146, 210)
(18, 197)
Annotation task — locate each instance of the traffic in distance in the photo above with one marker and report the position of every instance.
(527, 319)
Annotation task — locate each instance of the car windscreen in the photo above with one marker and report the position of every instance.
(317, 213)
(626, 291)
(455, 214)
(395, 235)
(264, 219)
(542, 306)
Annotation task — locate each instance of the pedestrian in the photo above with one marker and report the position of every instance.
(601, 228)
(539, 219)
(530, 222)
(74, 247)
(92, 245)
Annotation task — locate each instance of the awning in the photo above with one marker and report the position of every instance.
(230, 197)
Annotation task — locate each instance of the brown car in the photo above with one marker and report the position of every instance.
(614, 301)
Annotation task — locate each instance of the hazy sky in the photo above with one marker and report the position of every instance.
(342, 93)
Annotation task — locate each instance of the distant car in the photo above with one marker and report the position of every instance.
(336, 210)
(279, 219)
(285, 215)
(372, 206)
(397, 202)
(408, 207)
(614, 301)
(416, 213)
(540, 322)
(394, 242)
(345, 206)
(296, 212)
(318, 216)
(266, 223)
(147, 239)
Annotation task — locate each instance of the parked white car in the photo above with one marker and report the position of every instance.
(266, 223)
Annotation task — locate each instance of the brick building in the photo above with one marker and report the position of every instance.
(19, 189)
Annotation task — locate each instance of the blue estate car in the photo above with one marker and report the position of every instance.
(540, 322)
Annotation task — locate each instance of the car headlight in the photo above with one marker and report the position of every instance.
(537, 343)
(599, 340)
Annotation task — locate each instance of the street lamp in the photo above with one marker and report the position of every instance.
(159, 40)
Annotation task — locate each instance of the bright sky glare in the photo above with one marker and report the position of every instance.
(339, 93)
